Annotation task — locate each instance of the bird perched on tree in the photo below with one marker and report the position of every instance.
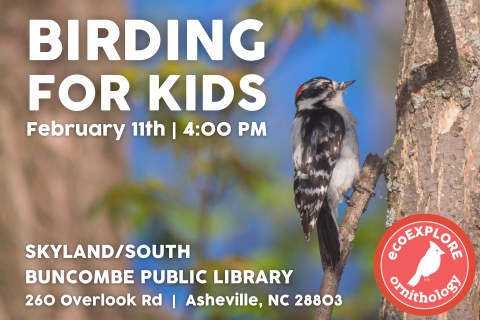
(324, 151)
(428, 265)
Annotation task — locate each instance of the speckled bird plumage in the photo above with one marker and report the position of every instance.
(324, 151)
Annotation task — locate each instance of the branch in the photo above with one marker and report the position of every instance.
(371, 170)
(448, 60)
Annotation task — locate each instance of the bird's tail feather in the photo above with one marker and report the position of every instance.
(414, 281)
(329, 239)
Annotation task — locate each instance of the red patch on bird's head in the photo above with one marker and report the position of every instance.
(299, 91)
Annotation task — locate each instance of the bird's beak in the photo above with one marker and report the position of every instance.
(344, 85)
(441, 252)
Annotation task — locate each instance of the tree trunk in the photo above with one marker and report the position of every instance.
(434, 163)
(47, 184)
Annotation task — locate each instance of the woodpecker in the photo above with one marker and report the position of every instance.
(325, 158)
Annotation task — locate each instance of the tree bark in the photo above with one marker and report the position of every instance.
(434, 163)
(47, 184)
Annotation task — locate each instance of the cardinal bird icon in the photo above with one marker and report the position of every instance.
(428, 265)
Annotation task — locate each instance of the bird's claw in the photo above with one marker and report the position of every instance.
(358, 187)
(348, 200)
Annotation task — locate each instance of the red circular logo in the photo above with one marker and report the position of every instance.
(424, 264)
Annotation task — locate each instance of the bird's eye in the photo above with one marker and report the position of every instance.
(324, 85)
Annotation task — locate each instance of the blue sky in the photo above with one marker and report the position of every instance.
(338, 52)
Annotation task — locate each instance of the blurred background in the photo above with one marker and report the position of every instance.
(230, 198)
(233, 196)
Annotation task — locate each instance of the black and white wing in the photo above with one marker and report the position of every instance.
(315, 146)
